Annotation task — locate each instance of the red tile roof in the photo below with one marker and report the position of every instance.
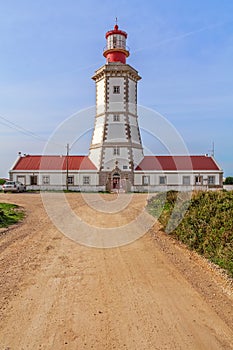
(53, 163)
(173, 163)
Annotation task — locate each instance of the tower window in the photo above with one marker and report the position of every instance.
(116, 151)
(116, 89)
(116, 118)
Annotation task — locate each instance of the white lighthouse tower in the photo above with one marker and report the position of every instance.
(116, 147)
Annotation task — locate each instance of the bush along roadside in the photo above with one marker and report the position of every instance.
(10, 214)
(207, 226)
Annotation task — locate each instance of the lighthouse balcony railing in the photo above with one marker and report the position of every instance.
(116, 46)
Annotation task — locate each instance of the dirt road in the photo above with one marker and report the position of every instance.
(151, 294)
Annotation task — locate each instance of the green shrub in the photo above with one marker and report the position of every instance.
(207, 226)
(2, 181)
(228, 180)
(10, 214)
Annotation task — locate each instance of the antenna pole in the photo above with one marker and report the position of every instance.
(67, 166)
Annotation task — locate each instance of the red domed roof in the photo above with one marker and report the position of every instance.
(116, 31)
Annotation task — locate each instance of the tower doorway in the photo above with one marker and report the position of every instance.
(116, 179)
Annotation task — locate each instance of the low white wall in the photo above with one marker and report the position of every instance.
(161, 188)
(228, 187)
(180, 188)
(63, 188)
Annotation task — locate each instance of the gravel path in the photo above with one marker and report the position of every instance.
(150, 294)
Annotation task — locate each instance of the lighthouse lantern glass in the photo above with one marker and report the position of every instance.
(116, 41)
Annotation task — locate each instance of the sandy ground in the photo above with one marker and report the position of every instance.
(150, 294)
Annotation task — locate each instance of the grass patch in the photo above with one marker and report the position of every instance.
(207, 226)
(10, 214)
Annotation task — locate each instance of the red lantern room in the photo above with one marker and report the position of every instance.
(116, 49)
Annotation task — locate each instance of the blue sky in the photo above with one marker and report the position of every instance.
(50, 49)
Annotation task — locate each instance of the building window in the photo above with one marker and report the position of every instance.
(86, 180)
(162, 180)
(70, 180)
(21, 179)
(211, 180)
(125, 167)
(116, 89)
(146, 180)
(116, 118)
(186, 180)
(33, 180)
(198, 180)
(116, 151)
(45, 180)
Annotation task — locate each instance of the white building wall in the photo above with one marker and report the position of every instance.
(132, 93)
(174, 178)
(100, 96)
(95, 156)
(110, 159)
(116, 132)
(135, 135)
(57, 179)
(137, 156)
(98, 130)
(133, 120)
(115, 101)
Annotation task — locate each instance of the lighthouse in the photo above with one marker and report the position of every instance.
(116, 147)
(116, 161)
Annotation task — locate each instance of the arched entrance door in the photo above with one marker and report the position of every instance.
(116, 178)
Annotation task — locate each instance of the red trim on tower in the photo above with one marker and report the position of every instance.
(115, 31)
(116, 56)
